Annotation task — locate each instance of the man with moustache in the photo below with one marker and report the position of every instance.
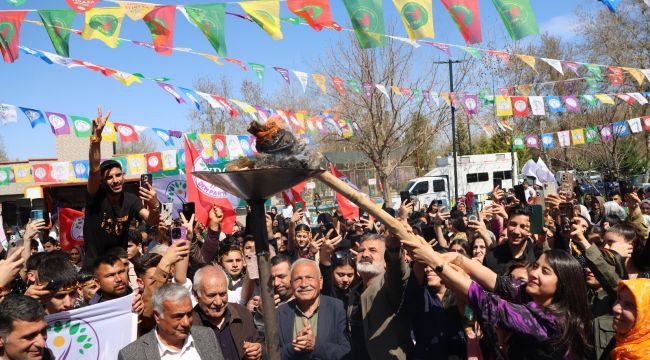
(109, 209)
(231, 323)
(174, 336)
(312, 326)
(378, 328)
(23, 330)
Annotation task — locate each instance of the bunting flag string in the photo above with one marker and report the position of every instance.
(107, 22)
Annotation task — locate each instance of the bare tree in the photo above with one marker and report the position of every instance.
(384, 124)
(3, 150)
(144, 145)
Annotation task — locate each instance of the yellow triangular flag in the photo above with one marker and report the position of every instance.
(126, 78)
(504, 106)
(266, 14)
(136, 10)
(417, 17)
(320, 81)
(605, 99)
(445, 97)
(211, 57)
(578, 136)
(396, 90)
(109, 133)
(103, 24)
(636, 74)
(529, 60)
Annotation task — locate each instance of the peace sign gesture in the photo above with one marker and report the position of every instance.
(100, 121)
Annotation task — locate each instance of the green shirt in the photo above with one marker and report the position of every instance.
(298, 321)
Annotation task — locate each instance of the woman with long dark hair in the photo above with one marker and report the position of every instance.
(546, 318)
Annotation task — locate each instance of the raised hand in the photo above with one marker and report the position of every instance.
(32, 228)
(100, 121)
(148, 197)
(10, 267)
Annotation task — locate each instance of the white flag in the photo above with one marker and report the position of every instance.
(565, 138)
(537, 105)
(303, 77)
(556, 64)
(8, 113)
(635, 125)
(92, 332)
(638, 97)
(382, 88)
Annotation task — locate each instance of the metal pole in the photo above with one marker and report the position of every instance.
(453, 132)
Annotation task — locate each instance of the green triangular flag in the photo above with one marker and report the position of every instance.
(57, 23)
(590, 99)
(210, 19)
(367, 17)
(5, 175)
(518, 17)
(354, 86)
(258, 69)
(596, 70)
(472, 51)
(83, 127)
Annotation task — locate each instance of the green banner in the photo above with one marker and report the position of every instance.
(58, 24)
(367, 17)
(210, 19)
(518, 17)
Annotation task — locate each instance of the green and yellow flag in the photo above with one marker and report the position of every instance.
(417, 17)
(367, 17)
(58, 24)
(266, 14)
(209, 18)
(518, 17)
(104, 24)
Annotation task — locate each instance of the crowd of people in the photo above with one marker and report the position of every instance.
(468, 283)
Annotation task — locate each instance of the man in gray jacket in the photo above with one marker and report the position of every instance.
(174, 336)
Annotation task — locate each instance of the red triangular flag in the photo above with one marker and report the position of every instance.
(348, 209)
(203, 194)
(160, 22)
(292, 196)
(646, 122)
(154, 162)
(71, 228)
(315, 12)
(10, 22)
(126, 131)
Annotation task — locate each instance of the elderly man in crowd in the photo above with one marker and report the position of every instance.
(231, 323)
(174, 336)
(311, 325)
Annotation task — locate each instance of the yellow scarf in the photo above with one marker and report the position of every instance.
(635, 344)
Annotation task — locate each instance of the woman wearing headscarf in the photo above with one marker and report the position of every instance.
(632, 320)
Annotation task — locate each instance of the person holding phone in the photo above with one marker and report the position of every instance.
(109, 209)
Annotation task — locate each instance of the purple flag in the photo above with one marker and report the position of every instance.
(58, 123)
(442, 47)
(175, 133)
(427, 96)
(573, 66)
(569, 85)
(171, 91)
(571, 103)
(367, 89)
(532, 141)
(284, 73)
(470, 104)
(606, 132)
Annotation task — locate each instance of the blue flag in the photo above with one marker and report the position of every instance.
(554, 104)
(621, 129)
(245, 145)
(164, 136)
(194, 97)
(548, 140)
(35, 117)
(80, 168)
(611, 4)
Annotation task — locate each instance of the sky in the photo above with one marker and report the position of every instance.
(30, 82)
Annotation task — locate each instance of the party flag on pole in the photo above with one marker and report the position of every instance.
(316, 13)
(160, 22)
(578, 136)
(103, 24)
(266, 13)
(58, 122)
(548, 140)
(126, 132)
(35, 117)
(571, 103)
(554, 104)
(320, 81)
(10, 22)
(518, 17)
(591, 134)
(520, 105)
(136, 10)
(504, 106)
(417, 17)
(209, 18)
(82, 126)
(466, 15)
(258, 69)
(58, 24)
(367, 17)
